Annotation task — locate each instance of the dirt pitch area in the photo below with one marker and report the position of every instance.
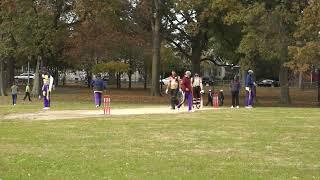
(79, 114)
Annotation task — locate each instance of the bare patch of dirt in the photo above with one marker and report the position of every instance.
(79, 114)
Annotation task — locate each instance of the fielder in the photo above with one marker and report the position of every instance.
(249, 90)
(98, 87)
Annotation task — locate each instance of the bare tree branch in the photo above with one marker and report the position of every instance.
(216, 61)
(179, 46)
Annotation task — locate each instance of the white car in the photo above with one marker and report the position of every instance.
(164, 81)
(25, 76)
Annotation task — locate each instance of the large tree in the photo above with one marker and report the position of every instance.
(148, 15)
(268, 28)
(8, 44)
(304, 53)
(196, 29)
(39, 33)
(156, 44)
(99, 30)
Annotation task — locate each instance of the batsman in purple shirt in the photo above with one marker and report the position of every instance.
(47, 89)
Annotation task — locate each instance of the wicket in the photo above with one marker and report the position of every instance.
(106, 105)
(215, 100)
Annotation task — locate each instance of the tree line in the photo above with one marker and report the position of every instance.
(150, 35)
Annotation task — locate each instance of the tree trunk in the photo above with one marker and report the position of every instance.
(89, 78)
(311, 78)
(145, 77)
(64, 78)
(130, 79)
(301, 87)
(196, 56)
(10, 77)
(145, 82)
(284, 85)
(318, 87)
(155, 87)
(2, 79)
(118, 80)
(56, 77)
(36, 82)
(243, 76)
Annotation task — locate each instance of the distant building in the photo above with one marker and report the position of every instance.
(136, 77)
(213, 71)
(70, 75)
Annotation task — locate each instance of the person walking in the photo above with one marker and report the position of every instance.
(235, 87)
(14, 93)
(187, 89)
(173, 88)
(197, 90)
(27, 93)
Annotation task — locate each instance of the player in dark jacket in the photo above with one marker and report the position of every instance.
(187, 89)
(235, 87)
(221, 97)
(249, 89)
(98, 87)
(210, 98)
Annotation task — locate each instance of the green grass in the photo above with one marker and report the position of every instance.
(262, 143)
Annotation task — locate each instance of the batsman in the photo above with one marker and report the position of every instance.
(47, 89)
(98, 87)
(249, 89)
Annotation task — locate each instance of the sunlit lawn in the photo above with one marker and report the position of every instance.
(262, 143)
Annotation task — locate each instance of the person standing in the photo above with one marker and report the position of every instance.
(249, 89)
(14, 93)
(173, 88)
(187, 88)
(210, 98)
(98, 87)
(221, 97)
(47, 89)
(197, 89)
(235, 87)
(27, 93)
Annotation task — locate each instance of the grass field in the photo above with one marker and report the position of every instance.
(75, 98)
(262, 143)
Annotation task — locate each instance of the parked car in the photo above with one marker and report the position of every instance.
(207, 80)
(268, 83)
(25, 76)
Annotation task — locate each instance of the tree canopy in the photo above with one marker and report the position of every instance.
(159, 35)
